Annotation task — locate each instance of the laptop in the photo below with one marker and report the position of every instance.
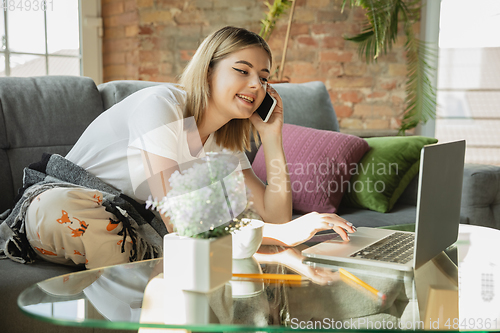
(437, 219)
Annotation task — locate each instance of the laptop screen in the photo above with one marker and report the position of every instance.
(439, 199)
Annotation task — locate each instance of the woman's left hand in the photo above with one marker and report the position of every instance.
(275, 123)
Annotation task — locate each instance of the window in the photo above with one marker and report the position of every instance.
(40, 38)
(468, 92)
(49, 37)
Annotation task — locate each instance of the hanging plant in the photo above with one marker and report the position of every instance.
(267, 26)
(380, 33)
(272, 15)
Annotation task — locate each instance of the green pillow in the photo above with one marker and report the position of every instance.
(385, 171)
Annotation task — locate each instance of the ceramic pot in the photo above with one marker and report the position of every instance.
(247, 240)
(195, 264)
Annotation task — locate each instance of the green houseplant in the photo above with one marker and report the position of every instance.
(274, 12)
(384, 20)
(268, 24)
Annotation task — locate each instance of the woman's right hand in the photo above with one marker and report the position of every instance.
(305, 227)
(275, 124)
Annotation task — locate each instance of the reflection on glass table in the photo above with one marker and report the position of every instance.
(135, 295)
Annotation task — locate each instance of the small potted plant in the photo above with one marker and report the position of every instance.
(207, 203)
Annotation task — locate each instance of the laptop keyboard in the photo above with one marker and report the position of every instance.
(397, 248)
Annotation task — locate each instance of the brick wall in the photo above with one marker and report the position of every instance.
(154, 40)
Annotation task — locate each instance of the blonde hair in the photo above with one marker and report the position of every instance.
(235, 135)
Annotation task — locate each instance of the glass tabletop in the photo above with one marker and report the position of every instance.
(135, 296)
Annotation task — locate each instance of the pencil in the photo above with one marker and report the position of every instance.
(282, 277)
(362, 283)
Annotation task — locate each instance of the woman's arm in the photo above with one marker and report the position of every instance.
(158, 170)
(274, 201)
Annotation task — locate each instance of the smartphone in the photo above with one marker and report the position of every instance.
(266, 108)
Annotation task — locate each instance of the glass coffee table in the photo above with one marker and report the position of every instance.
(438, 295)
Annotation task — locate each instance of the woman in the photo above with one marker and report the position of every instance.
(135, 146)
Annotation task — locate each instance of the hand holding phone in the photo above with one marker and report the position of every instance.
(266, 107)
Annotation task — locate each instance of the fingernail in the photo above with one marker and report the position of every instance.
(349, 224)
(354, 228)
(331, 224)
(348, 238)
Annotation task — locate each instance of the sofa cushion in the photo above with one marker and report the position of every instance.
(385, 171)
(481, 195)
(115, 91)
(40, 114)
(15, 278)
(319, 163)
(307, 104)
(47, 110)
(360, 217)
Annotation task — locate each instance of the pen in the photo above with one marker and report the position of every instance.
(283, 277)
(362, 283)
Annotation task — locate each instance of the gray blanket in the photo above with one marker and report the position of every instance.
(145, 228)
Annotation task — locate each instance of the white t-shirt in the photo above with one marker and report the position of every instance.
(151, 119)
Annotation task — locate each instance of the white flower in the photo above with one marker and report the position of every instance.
(205, 196)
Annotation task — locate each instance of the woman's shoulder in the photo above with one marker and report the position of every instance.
(172, 92)
(157, 105)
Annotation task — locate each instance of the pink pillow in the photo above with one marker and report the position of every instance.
(320, 164)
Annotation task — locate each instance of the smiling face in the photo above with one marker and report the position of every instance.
(238, 83)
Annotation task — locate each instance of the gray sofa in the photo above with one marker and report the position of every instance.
(48, 114)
